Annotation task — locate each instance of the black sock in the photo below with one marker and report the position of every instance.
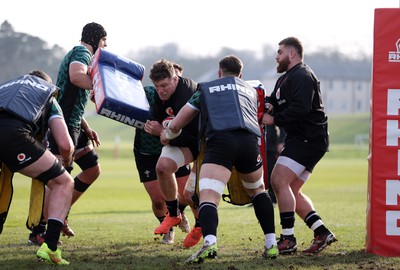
(40, 228)
(313, 217)
(53, 233)
(208, 217)
(287, 221)
(181, 207)
(264, 211)
(197, 222)
(172, 207)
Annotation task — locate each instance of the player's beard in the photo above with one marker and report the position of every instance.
(283, 65)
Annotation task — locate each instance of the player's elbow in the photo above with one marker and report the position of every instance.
(65, 147)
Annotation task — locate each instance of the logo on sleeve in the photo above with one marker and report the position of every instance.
(22, 158)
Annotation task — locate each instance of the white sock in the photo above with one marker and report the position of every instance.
(210, 239)
(270, 240)
(288, 231)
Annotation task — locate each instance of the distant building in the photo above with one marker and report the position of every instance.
(340, 96)
(345, 89)
(346, 96)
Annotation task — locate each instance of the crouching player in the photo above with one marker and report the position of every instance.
(21, 152)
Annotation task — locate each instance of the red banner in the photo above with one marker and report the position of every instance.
(383, 209)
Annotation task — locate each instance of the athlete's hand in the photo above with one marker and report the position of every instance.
(163, 138)
(153, 127)
(93, 136)
(269, 108)
(268, 119)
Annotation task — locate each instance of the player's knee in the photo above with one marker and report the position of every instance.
(165, 167)
(89, 160)
(161, 168)
(172, 155)
(89, 175)
(94, 171)
(54, 171)
(275, 183)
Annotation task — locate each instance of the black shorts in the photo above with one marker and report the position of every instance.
(78, 136)
(83, 140)
(146, 166)
(18, 148)
(237, 148)
(302, 153)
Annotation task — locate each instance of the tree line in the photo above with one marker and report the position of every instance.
(21, 52)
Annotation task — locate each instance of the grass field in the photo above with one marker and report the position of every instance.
(342, 128)
(114, 223)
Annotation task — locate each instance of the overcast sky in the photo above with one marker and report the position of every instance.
(201, 27)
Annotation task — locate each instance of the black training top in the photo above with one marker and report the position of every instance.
(298, 107)
(170, 108)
